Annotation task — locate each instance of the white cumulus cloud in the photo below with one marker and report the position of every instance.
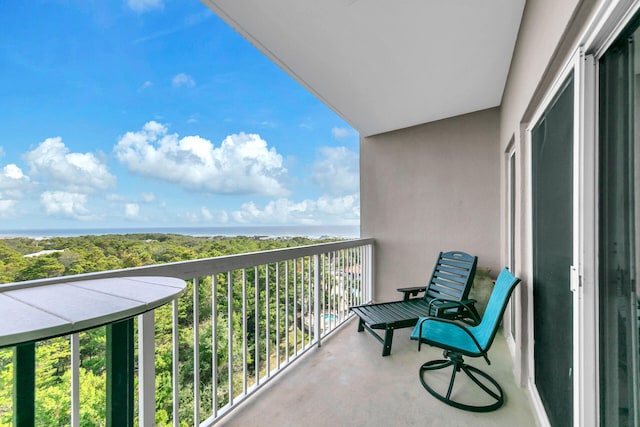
(242, 164)
(131, 210)
(14, 185)
(73, 172)
(337, 172)
(12, 178)
(145, 5)
(206, 214)
(148, 197)
(13, 172)
(340, 133)
(183, 79)
(65, 204)
(147, 84)
(7, 208)
(324, 210)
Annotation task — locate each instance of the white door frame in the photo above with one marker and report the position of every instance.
(573, 65)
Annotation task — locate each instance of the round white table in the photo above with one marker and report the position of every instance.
(33, 312)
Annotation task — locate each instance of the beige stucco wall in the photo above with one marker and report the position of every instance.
(543, 25)
(548, 37)
(545, 40)
(427, 189)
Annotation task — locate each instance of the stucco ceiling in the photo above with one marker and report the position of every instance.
(385, 65)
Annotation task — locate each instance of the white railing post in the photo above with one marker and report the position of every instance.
(286, 309)
(174, 363)
(146, 369)
(370, 284)
(256, 326)
(267, 348)
(245, 342)
(214, 344)
(316, 298)
(75, 380)
(229, 336)
(196, 353)
(278, 337)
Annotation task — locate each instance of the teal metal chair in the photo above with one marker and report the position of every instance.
(458, 340)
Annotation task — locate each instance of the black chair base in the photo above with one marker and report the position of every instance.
(489, 386)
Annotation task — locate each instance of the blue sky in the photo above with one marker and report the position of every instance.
(151, 113)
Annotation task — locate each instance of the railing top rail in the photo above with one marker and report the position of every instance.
(205, 266)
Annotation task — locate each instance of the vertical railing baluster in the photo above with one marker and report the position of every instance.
(316, 297)
(146, 369)
(196, 353)
(309, 298)
(354, 273)
(303, 313)
(257, 324)
(214, 344)
(175, 342)
(361, 278)
(230, 334)
(334, 288)
(359, 282)
(340, 281)
(370, 278)
(346, 285)
(267, 347)
(278, 336)
(295, 307)
(323, 284)
(74, 341)
(328, 257)
(286, 309)
(343, 278)
(244, 331)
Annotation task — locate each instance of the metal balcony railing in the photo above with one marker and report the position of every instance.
(251, 315)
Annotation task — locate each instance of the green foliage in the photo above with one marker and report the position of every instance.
(41, 267)
(6, 386)
(76, 255)
(11, 263)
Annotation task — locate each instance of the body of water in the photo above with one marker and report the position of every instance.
(311, 231)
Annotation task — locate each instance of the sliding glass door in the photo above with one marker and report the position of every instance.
(552, 179)
(619, 183)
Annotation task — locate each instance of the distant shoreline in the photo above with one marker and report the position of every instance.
(275, 231)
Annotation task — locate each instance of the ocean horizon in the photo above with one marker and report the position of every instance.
(310, 231)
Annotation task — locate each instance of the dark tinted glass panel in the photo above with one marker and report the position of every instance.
(552, 149)
(618, 275)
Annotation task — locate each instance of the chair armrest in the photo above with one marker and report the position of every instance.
(411, 291)
(442, 304)
(422, 321)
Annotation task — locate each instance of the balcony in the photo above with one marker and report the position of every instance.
(347, 382)
(273, 308)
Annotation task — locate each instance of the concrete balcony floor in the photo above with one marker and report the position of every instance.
(347, 382)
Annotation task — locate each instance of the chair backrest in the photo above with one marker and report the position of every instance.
(486, 331)
(452, 276)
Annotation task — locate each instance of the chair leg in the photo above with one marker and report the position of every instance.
(388, 340)
(361, 325)
(457, 363)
